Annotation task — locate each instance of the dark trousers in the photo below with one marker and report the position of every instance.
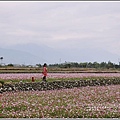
(44, 78)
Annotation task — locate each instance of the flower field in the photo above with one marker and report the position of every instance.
(83, 102)
(23, 76)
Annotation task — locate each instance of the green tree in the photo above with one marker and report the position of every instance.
(103, 64)
(110, 65)
(39, 65)
(96, 65)
(10, 65)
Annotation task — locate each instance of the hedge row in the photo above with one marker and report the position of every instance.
(57, 84)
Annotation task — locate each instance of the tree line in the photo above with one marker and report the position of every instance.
(106, 65)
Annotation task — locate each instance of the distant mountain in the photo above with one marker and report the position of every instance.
(49, 55)
(92, 55)
(19, 57)
(33, 53)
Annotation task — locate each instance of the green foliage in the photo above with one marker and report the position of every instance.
(86, 65)
(39, 65)
(2, 82)
(10, 65)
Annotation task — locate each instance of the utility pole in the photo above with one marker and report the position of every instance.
(1, 59)
(119, 62)
(60, 61)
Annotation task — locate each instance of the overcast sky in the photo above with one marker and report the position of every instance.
(61, 24)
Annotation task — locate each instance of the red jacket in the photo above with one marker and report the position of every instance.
(44, 71)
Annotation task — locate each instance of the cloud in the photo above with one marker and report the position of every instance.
(58, 24)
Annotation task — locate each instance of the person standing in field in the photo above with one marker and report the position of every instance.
(44, 72)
